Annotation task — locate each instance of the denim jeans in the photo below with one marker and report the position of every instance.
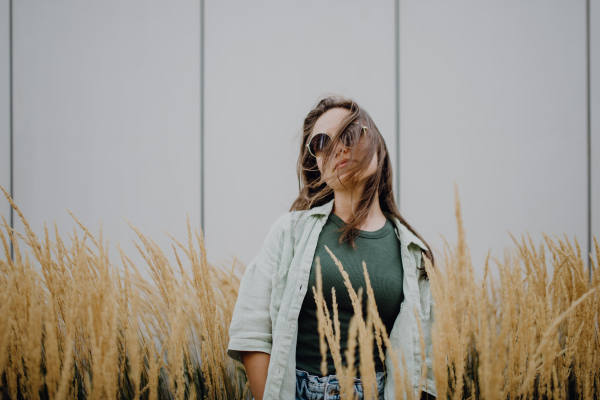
(311, 387)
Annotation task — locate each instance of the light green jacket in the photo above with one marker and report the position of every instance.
(273, 287)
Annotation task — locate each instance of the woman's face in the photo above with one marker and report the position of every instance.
(329, 123)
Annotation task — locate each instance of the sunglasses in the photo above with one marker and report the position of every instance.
(318, 144)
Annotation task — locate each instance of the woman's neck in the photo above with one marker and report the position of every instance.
(345, 202)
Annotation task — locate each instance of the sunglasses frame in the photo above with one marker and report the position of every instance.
(364, 131)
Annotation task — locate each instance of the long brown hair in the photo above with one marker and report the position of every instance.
(314, 190)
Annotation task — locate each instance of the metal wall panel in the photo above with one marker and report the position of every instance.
(493, 97)
(4, 108)
(267, 63)
(107, 116)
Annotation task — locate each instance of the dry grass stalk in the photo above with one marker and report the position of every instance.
(365, 334)
(400, 381)
(366, 331)
(329, 329)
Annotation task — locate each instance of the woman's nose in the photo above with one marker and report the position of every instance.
(341, 150)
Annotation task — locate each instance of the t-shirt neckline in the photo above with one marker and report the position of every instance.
(387, 228)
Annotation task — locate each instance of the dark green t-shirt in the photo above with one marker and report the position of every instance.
(381, 252)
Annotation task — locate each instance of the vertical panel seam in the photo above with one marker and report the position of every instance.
(202, 226)
(10, 116)
(397, 87)
(589, 139)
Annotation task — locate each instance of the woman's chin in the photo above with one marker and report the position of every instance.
(343, 182)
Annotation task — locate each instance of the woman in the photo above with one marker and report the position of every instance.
(346, 203)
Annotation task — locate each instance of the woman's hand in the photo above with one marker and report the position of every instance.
(257, 366)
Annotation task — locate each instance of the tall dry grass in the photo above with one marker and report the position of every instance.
(78, 325)
(74, 324)
(529, 334)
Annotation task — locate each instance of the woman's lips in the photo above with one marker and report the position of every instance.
(341, 164)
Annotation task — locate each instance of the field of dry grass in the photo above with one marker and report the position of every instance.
(78, 325)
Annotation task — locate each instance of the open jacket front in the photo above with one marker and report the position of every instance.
(273, 287)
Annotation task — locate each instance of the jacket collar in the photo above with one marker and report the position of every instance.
(324, 209)
(404, 234)
(407, 237)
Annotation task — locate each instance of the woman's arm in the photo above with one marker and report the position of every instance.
(250, 332)
(257, 365)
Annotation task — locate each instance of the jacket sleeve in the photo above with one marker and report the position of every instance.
(427, 321)
(250, 328)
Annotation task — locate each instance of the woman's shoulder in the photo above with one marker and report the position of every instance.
(296, 221)
(289, 220)
(288, 228)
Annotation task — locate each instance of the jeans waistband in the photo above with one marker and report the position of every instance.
(312, 387)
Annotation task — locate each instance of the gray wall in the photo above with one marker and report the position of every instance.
(106, 116)
(493, 96)
(107, 113)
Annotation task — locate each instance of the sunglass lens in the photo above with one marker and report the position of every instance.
(318, 144)
(349, 137)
